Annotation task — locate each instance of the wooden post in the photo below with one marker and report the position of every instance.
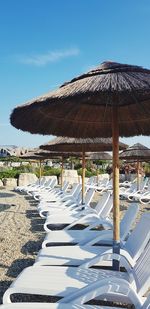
(97, 174)
(138, 175)
(116, 215)
(83, 175)
(40, 172)
(62, 169)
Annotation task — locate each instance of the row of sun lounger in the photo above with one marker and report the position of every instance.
(74, 262)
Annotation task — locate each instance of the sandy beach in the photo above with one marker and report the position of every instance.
(21, 234)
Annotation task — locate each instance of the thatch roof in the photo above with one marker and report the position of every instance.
(80, 144)
(40, 154)
(83, 106)
(136, 152)
(99, 156)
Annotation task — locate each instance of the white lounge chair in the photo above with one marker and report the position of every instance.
(31, 185)
(141, 192)
(90, 237)
(125, 192)
(49, 185)
(103, 186)
(82, 217)
(77, 255)
(67, 200)
(55, 192)
(64, 281)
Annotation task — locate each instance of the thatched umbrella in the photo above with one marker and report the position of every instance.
(110, 100)
(99, 156)
(137, 152)
(41, 155)
(38, 155)
(81, 145)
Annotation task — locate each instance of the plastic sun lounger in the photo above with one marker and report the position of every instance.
(77, 255)
(68, 200)
(31, 185)
(74, 210)
(68, 203)
(54, 193)
(49, 185)
(69, 281)
(90, 237)
(141, 192)
(82, 217)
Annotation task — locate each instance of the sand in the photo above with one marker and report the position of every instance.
(21, 233)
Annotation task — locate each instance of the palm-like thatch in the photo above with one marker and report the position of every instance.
(136, 152)
(99, 156)
(80, 144)
(83, 106)
(40, 154)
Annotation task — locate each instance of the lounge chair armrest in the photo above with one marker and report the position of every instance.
(108, 256)
(81, 220)
(113, 286)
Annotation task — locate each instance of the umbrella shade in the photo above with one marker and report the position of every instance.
(136, 152)
(139, 153)
(110, 100)
(99, 156)
(78, 144)
(40, 154)
(83, 106)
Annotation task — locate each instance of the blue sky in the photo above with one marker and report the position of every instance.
(47, 42)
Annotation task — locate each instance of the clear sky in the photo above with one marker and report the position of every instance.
(47, 42)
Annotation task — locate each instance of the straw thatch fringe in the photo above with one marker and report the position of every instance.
(84, 105)
(80, 144)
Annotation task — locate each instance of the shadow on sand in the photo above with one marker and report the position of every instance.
(3, 195)
(17, 266)
(32, 247)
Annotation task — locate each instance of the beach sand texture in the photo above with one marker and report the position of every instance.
(21, 233)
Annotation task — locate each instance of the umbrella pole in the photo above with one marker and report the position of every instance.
(83, 176)
(138, 175)
(40, 172)
(97, 174)
(62, 169)
(116, 215)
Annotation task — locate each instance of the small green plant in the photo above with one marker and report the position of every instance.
(88, 173)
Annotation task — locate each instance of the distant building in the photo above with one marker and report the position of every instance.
(11, 150)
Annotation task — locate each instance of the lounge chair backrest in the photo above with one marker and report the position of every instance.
(110, 183)
(65, 186)
(133, 187)
(127, 221)
(53, 183)
(146, 304)
(148, 186)
(103, 182)
(74, 188)
(77, 191)
(108, 207)
(91, 180)
(139, 237)
(143, 184)
(42, 181)
(141, 271)
(48, 182)
(102, 202)
(88, 197)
